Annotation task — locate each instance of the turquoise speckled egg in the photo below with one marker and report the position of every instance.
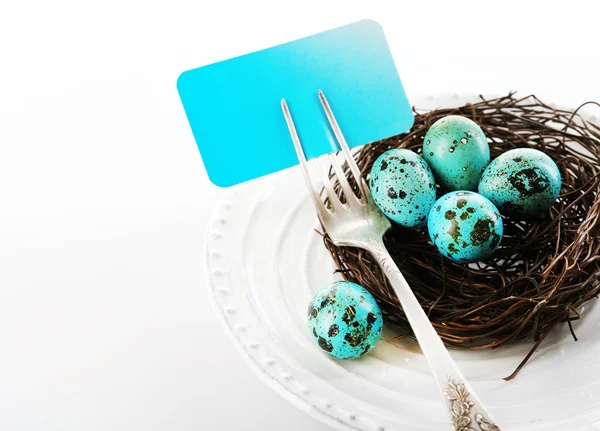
(345, 320)
(522, 183)
(465, 226)
(403, 187)
(457, 151)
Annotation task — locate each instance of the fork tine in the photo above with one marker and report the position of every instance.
(334, 200)
(341, 176)
(343, 144)
(319, 205)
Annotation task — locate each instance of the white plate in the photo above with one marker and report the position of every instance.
(264, 263)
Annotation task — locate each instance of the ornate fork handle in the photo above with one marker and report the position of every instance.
(466, 411)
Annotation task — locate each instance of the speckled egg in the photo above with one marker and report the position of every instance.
(457, 151)
(522, 183)
(465, 226)
(345, 320)
(403, 187)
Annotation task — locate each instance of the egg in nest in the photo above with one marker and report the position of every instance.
(523, 182)
(457, 151)
(403, 187)
(465, 226)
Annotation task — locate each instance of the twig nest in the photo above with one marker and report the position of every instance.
(544, 268)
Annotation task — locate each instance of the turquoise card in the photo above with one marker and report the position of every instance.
(234, 108)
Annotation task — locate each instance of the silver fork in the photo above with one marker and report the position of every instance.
(359, 223)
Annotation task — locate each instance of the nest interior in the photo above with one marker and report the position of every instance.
(544, 269)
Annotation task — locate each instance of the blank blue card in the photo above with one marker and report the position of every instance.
(234, 109)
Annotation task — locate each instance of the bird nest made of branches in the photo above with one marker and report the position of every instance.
(544, 269)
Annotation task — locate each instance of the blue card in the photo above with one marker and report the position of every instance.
(234, 109)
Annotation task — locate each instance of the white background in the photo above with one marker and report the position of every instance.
(105, 321)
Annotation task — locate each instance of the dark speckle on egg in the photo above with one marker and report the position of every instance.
(529, 182)
(349, 314)
(384, 166)
(392, 193)
(481, 231)
(354, 338)
(333, 330)
(325, 345)
(371, 318)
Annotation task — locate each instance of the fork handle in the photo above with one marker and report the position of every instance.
(464, 407)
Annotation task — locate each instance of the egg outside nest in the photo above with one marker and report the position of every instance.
(345, 320)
